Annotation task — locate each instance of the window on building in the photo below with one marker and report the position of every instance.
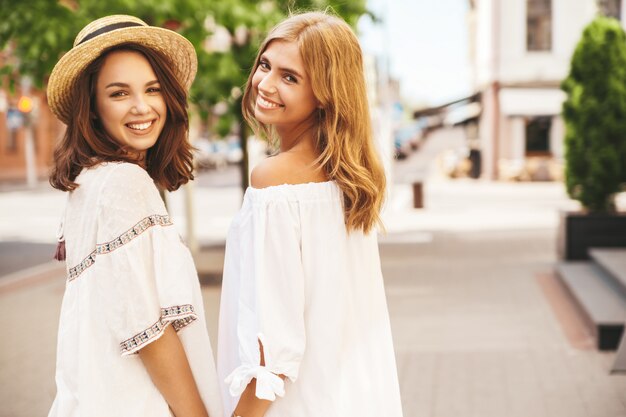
(538, 135)
(539, 25)
(611, 8)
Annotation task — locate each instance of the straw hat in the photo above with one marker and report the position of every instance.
(104, 33)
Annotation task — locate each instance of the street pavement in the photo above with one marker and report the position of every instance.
(479, 325)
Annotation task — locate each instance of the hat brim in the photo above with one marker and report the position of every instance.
(173, 46)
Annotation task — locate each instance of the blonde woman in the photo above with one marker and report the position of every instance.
(303, 313)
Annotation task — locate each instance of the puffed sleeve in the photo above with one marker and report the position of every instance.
(271, 303)
(146, 274)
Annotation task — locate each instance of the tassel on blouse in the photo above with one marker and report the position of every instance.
(59, 255)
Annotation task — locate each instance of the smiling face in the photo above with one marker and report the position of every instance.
(284, 95)
(129, 103)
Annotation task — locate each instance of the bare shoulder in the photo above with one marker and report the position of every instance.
(271, 171)
(283, 169)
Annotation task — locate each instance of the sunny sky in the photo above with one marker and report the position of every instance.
(426, 42)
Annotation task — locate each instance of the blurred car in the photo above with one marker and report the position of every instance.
(234, 153)
(216, 154)
(207, 155)
(407, 139)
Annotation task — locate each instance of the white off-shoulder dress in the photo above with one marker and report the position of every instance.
(312, 294)
(129, 276)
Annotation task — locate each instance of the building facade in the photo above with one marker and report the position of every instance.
(45, 131)
(520, 51)
(28, 134)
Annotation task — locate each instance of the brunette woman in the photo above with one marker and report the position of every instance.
(132, 336)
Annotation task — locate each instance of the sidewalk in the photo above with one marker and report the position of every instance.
(475, 335)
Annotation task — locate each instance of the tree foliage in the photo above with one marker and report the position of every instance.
(595, 116)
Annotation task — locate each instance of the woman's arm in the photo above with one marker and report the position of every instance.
(166, 362)
(280, 243)
(249, 404)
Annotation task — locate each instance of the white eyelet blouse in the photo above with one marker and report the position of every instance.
(129, 276)
(296, 281)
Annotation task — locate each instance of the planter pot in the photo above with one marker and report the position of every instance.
(580, 231)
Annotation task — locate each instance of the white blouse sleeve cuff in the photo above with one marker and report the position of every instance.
(180, 316)
(268, 384)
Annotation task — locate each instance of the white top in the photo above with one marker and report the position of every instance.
(313, 295)
(129, 276)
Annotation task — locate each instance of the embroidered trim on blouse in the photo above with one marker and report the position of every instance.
(179, 316)
(124, 238)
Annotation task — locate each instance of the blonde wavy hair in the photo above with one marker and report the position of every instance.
(332, 57)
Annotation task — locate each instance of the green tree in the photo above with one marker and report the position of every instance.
(38, 32)
(595, 116)
(34, 34)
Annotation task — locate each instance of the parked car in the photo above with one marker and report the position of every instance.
(207, 155)
(407, 139)
(217, 153)
(234, 153)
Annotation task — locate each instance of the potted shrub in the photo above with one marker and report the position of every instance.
(595, 140)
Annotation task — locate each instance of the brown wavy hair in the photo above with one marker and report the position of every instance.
(333, 59)
(86, 143)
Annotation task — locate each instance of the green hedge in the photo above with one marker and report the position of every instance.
(595, 116)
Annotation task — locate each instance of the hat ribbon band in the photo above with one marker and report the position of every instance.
(108, 28)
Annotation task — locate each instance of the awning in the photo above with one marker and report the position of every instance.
(438, 110)
(462, 114)
(531, 101)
